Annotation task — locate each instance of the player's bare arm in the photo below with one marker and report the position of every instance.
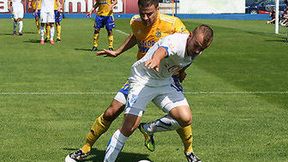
(126, 45)
(96, 5)
(114, 3)
(154, 62)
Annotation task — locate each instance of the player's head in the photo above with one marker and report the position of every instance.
(148, 10)
(199, 39)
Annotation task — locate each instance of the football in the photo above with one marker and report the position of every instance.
(144, 161)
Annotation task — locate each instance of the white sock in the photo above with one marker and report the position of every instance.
(166, 123)
(115, 146)
(20, 26)
(52, 31)
(42, 32)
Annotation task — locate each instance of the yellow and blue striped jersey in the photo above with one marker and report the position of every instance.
(147, 36)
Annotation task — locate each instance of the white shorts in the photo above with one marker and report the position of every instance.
(18, 11)
(165, 97)
(47, 17)
(121, 98)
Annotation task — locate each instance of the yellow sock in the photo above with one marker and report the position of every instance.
(99, 127)
(58, 28)
(48, 32)
(95, 39)
(110, 40)
(37, 25)
(186, 137)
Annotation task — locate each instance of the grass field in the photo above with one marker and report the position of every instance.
(50, 95)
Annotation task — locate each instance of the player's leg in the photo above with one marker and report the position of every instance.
(102, 123)
(37, 22)
(138, 98)
(117, 141)
(58, 19)
(20, 24)
(109, 27)
(51, 20)
(179, 122)
(20, 19)
(97, 26)
(14, 26)
(47, 33)
(43, 22)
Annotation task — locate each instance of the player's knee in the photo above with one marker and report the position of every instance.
(113, 111)
(186, 121)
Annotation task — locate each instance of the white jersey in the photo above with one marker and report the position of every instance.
(47, 6)
(176, 60)
(16, 1)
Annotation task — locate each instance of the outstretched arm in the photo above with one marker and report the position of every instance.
(93, 8)
(127, 44)
(154, 62)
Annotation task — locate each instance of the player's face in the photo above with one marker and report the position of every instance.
(195, 45)
(148, 14)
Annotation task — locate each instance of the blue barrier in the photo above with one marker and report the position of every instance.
(182, 16)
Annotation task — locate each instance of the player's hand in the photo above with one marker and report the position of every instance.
(153, 64)
(107, 53)
(88, 14)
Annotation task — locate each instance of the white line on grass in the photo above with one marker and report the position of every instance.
(113, 93)
(122, 32)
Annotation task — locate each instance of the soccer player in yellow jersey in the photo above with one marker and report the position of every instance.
(147, 28)
(58, 18)
(105, 17)
(33, 5)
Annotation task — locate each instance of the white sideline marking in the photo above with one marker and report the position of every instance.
(113, 93)
(122, 32)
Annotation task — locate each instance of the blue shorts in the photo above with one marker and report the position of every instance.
(37, 14)
(125, 89)
(108, 21)
(177, 85)
(58, 16)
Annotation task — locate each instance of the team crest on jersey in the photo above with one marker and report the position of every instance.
(158, 33)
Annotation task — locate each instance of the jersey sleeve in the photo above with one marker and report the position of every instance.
(172, 44)
(180, 27)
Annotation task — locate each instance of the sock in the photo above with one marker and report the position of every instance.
(37, 25)
(95, 39)
(114, 146)
(48, 31)
(186, 137)
(166, 123)
(58, 28)
(14, 26)
(52, 31)
(99, 127)
(110, 40)
(20, 26)
(41, 32)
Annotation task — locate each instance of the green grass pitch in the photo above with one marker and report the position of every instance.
(50, 95)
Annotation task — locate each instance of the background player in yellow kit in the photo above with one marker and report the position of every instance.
(58, 18)
(147, 28)
(36, 13)
(104, 17)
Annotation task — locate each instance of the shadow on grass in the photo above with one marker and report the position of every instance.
(98, 156)
(284, 40)
(83, 49)
(32, 41)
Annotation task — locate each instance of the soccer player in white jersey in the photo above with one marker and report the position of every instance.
(47, 17)
(16, 7)
(151, 80)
